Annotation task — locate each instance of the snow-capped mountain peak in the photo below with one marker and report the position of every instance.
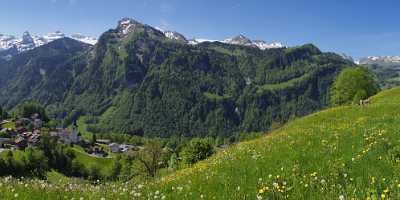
(380, 59)
(238, 40)
(26, 38)
(261, 44)
(84, 39)
(175, 36)
(127, 25)
(11, 45)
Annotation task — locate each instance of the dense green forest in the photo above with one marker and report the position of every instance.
(145, 84)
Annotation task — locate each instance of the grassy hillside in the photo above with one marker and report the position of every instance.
(340, 153)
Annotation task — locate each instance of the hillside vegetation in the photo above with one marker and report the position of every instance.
(145, 84)
(340, 153)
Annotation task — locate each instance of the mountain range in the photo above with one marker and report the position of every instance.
(139, 80)
(11, 45)
(386, 68)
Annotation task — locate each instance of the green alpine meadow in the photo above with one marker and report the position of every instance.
(199, 100)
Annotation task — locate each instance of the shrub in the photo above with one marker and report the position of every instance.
(197, 149)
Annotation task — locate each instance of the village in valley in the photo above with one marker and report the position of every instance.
(21, 133)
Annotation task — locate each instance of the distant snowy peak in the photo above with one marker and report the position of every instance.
(11, 45)
(261, 44)
(127, 25)
(264, 45)
(197, 41)
(175, 36)
(84, 39)
(380, 59)
(241, 40)
(28, 42)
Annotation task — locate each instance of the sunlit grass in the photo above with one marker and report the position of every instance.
(348, 152)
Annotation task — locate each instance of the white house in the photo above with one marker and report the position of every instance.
(114, 147)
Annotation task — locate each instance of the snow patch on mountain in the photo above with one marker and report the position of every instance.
(175, 36)
(84, 39)
(241, 40)
(27, 41)
(379, 59)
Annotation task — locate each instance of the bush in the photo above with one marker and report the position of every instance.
(353, 84)
(27, 109)
(197, 149)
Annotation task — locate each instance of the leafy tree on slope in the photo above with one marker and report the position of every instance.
(353, 85)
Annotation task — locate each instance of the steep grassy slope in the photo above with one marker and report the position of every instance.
(340, 153)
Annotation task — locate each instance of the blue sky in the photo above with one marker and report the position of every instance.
(355, 27)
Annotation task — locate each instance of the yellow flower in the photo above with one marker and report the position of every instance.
(383, 196)
(386, 190)
(314, 174)
(261, 191)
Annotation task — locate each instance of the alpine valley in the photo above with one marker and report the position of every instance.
(143, 81)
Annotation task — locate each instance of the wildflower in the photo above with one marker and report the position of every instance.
(341, 197)
(386, 190)
(16, 195)
(314, 174)
(383, 196)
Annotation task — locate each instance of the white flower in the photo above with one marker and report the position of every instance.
(16, 195)
(341, 197)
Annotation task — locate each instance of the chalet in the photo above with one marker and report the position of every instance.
(33, 139)
(65, 135)
(114, 147)
(127, 147)
(21, 143)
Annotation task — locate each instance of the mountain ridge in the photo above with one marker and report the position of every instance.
(136, 80)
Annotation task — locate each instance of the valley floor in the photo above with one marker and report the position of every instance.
(348, 152)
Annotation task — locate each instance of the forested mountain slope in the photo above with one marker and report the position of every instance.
(136, 80)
